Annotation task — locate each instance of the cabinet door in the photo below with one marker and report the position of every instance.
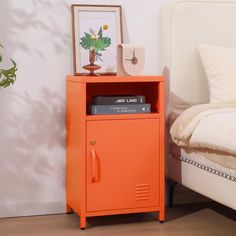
(122, 164)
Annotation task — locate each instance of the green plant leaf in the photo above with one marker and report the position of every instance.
(87, 42)
(14, 64)
(99, 44)
(107, 42)
(87, 35)
(100, 32)
(102, 43)
(8, 76)
(98, 56)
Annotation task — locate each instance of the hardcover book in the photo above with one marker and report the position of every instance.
(120, 109)
(121, 99)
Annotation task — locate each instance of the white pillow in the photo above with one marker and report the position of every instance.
(220, 67)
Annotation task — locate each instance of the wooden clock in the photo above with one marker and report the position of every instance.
(130, 60)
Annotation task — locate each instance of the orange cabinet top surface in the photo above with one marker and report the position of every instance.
(114, 79)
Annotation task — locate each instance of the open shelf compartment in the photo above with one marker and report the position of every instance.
(147, 89)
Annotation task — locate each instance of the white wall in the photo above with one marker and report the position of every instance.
(37, 34)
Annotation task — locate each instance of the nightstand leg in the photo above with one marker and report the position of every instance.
(162, 216)
(82, 222)
(68, 209)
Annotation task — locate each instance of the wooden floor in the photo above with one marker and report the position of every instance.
(208, 219)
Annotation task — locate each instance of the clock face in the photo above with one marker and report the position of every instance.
(133, 60)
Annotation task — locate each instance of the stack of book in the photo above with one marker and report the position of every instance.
(124, 104)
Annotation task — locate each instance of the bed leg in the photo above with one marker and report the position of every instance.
(171, 192)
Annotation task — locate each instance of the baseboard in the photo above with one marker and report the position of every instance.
(29, 209)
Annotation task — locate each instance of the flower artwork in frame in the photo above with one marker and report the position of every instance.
(97, 30)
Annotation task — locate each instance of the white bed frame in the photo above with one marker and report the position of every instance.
(184, 25)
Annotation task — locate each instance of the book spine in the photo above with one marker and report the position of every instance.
(115, 100)
(120, 109)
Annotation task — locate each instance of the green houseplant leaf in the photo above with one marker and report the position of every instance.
(100, 32)
(87, 41)
(107, 42)
(7, 76)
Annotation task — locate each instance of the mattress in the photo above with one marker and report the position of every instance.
(216, 163)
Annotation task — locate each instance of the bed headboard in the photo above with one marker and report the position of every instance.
(184, 25)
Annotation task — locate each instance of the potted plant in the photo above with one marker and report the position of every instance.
(7, 75)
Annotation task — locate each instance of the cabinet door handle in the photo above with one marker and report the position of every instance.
(94, 166)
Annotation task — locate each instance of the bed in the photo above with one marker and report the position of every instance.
(184, 25)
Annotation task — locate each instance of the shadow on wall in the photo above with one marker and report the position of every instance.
(20, 21)
(32, 147)
(32, 112)
(38, 123)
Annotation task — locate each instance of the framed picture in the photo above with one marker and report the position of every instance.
(97, 28)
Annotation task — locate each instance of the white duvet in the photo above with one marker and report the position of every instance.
(211, 126)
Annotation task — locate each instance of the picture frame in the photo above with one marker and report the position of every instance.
(91, 18)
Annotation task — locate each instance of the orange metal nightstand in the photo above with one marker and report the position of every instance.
(115, 163)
